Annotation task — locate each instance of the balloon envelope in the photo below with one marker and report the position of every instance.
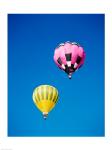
(45, 98)
(69, 56)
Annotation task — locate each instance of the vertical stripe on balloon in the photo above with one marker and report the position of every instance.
(42, 92)
(46, 92)
(37, 93)
(56, 100)
(51, 93)
(56, 96)
(36, 100)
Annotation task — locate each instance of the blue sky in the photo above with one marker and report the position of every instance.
(31, 43)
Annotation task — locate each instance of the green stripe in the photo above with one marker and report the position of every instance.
(56, 100)
(42, 92)
(51, 93)
(36, 101)
(46, 92)
(38, 95)
(56, 96)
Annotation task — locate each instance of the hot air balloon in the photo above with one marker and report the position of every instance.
(69, 57)
(45, 98)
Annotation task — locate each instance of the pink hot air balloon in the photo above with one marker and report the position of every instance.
(69, 56)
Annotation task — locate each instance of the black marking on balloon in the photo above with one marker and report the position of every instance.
(59, 61)
(69, 69)
(66, 69)
(68, 57)
(78, 60)
(72, 67)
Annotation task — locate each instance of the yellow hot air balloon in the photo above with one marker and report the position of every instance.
(45, 98)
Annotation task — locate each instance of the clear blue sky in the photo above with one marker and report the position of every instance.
(31, 43)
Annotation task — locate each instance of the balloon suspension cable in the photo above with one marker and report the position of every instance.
(45, 115)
